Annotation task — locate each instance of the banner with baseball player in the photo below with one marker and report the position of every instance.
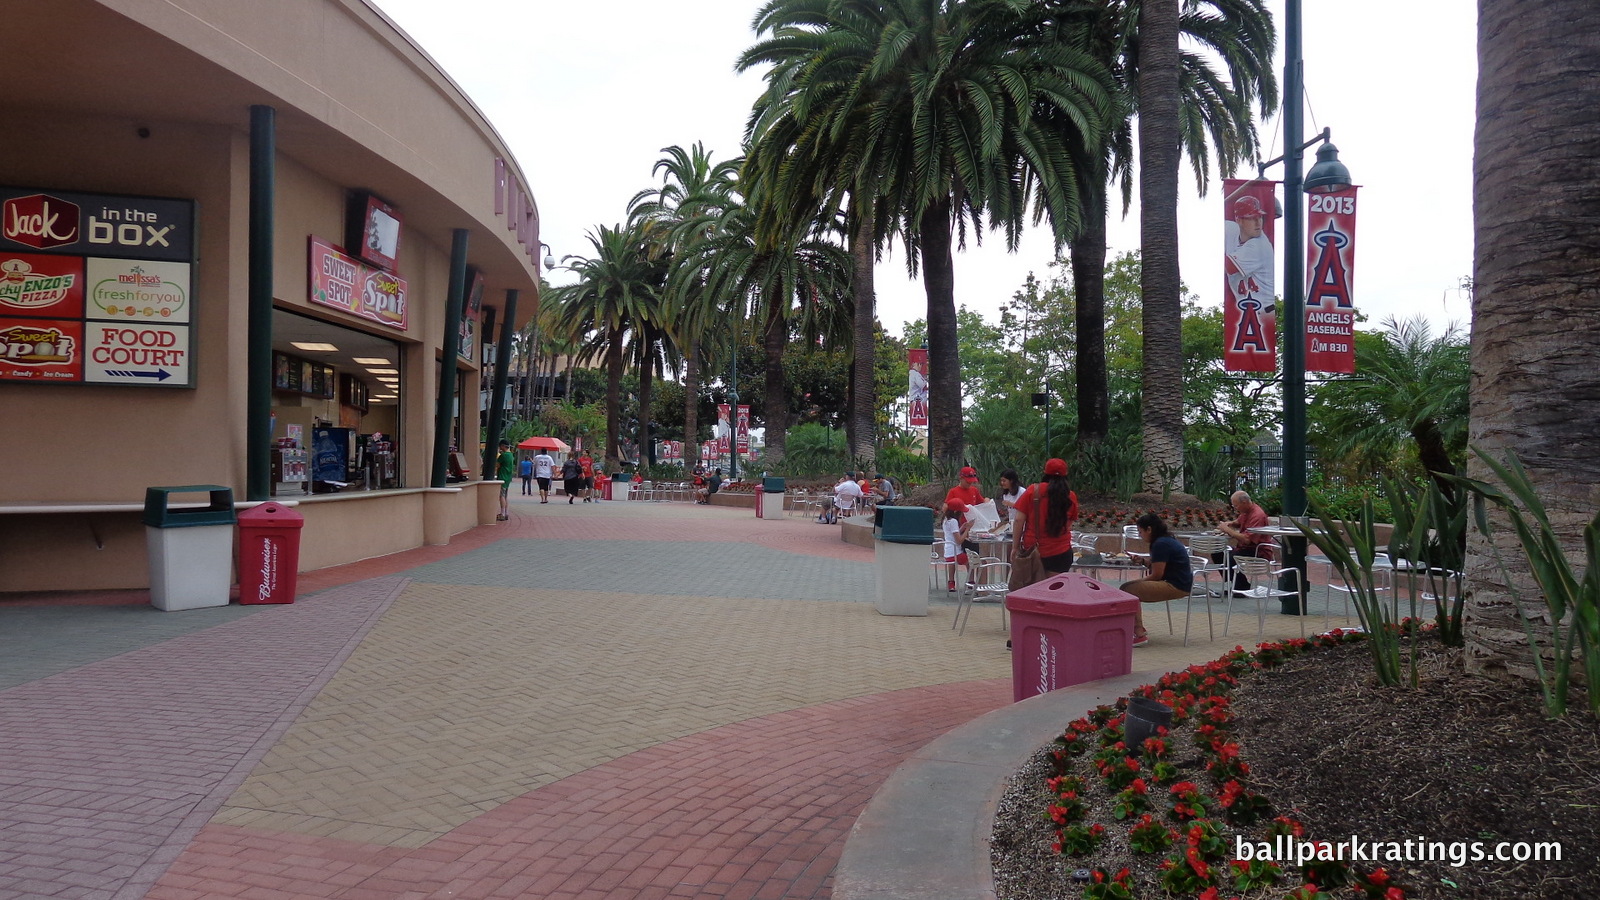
(741, 428)
(1249, 312)
(1330, 274)
(918, 393)
(724, 430)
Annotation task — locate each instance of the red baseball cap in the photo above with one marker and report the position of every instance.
(1055, 467)
(956, 506)
(969, 472)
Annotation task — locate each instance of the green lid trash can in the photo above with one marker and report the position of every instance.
(189, 546)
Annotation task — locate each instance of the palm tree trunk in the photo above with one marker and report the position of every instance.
(647, 446)
(946, 434)
(613, 398)
(775, 337)
(1159, 158)
(691, 402)
(1089, 294)
(1536, 293)
(863, 366)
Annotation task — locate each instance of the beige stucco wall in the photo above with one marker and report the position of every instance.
(157, 103)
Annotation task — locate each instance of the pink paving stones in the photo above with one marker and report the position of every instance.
(754, 810)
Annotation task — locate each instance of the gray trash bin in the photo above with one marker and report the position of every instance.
(900, 551)
(190, 548)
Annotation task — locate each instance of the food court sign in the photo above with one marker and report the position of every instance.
(96, 289)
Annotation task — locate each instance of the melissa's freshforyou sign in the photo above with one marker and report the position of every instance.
(95, 289)
(349, 285)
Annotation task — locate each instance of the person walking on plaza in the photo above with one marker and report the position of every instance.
(544, 469)
(572, 479)
(525, 472)
(586, 464)
(1170, 576)
(1248, 515)
(1054, 507)
(505, 471)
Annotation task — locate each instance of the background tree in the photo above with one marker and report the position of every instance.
(1405, 411)
(1536, 298)
(955, 111)
(617, 288)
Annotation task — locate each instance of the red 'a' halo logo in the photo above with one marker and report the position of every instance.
(40, 221)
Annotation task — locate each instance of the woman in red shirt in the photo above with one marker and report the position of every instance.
(1050, 508)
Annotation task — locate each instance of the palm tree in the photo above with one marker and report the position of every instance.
(1411, 393)
(1536, 289)
(694, 193)
(1215, 116)
(946, 112)
(769, 282)
(617, 289)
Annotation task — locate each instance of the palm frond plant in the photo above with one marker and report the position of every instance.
(1351, 547)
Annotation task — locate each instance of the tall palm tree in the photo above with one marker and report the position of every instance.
(1536, 289)
(771, 282)
(1159, 158)
(694, 193)
(1215, 118)
(948, 112)
(617, 288)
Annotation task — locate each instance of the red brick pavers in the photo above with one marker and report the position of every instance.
(756, 810)
(109, 773)
(108, 770)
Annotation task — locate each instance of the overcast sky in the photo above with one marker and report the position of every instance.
(587, 95)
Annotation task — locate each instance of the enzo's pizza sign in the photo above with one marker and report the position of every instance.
(96, 289)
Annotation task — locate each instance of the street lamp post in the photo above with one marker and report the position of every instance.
(1327, 175)
(1042, 398)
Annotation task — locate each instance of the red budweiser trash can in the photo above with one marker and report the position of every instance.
(269, 553)
(1068, 629)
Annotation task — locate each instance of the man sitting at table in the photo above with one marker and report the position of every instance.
(1249, 515)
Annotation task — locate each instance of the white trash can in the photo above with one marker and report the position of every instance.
(190, 547)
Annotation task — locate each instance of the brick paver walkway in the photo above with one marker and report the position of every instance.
(617, 700)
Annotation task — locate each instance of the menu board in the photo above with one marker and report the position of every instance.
(96, 289)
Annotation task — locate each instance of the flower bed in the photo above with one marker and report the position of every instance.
(1307, 738)
(1177, 805)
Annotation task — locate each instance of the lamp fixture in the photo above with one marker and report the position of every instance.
(549, 257)
(314, 346)
(1328, 174)
(384, 371)
(371, 361)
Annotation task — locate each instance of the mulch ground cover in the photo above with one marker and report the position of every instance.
(1460, 759)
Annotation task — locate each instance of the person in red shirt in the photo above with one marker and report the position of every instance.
(1250, 515)
(587, 464)
(968, 494)
(1043, 517)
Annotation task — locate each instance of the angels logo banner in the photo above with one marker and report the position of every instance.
(918, 393)
(741, 428)
(1330, 272)
(1249, 316)
(724, 429)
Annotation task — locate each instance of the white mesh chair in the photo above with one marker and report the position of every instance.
(1263, 576)
(1203, 547)
(1201, 567)
(989, 583)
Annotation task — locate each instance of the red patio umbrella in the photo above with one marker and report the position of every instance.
(544, 443)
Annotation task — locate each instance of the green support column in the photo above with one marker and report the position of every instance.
(447, 364)
(497, 391)
(258, 360)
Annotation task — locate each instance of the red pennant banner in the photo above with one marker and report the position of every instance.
(1330, 273)
(1249, 313)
